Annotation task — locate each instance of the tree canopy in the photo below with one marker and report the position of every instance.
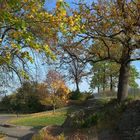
(104, 30)
(108, 30)
(25, 27)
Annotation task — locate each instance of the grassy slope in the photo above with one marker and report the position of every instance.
(107, 119)
(48, 118)
(42, 119)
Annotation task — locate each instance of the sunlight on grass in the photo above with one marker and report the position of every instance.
(42, 119)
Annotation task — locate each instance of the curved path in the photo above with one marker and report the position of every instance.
(15, 132)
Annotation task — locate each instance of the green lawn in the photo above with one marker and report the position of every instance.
(39, 120)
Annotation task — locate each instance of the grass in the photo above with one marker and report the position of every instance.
(39, 120)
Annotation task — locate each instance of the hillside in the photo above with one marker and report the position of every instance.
(99, 120)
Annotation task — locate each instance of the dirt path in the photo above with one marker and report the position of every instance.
(15, 132)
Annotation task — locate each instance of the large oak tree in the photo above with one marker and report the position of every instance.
(112, 30)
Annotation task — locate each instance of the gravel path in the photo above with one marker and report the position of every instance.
(15, 132)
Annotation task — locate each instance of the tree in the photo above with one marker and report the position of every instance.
(75, 70)
(12, 104)
(134, 74)
(58, 91)
(15, 104)
(26, 27)
(106, 75)
(112, 28)
(29, 96)
(26, 99)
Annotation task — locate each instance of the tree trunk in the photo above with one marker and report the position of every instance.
(123, 82)
(104, 78)
(103, 87)
(77, 86)
(98, 88)
(111, 83)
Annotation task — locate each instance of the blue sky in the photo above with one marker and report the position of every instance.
(137, 65)
(50, 4)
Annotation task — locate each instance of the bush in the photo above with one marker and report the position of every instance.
(87, 95)
(75, 95)
(90, 121)
(43, 135)
(26, 99)
(19, 103)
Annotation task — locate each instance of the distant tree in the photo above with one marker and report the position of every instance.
(106, 75)
(5, 102)
(30, 96)
(134, 74)
(57, 89)
(25, 99)
(15, 104)
(12, 103)
(41, 89)
(76, 70)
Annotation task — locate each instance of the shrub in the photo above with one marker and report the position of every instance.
(87, 95)
(75, 95)
(90, 121)
(25, 100)
(43, 135)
